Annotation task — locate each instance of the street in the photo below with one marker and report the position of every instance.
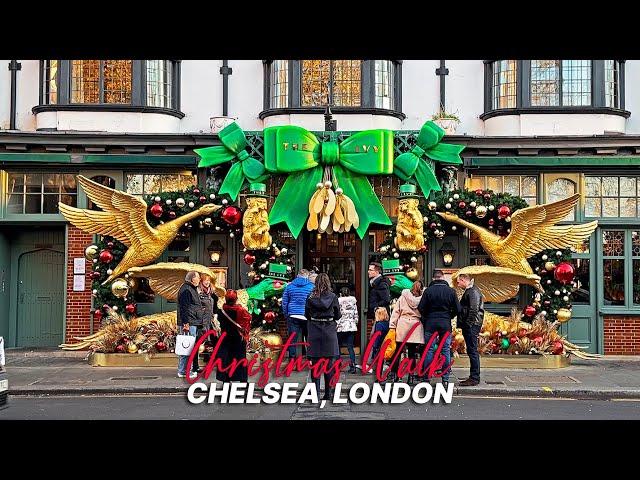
(176, 407)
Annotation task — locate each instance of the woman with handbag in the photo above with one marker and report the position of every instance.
(322, 310)
(235, 321)
(210, 303)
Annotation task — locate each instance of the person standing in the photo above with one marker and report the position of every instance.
(294, 299)
(190, 316)
(235, 321)
(379, 295)
(322, 310)
(347, 325)
(404, 317)
(210, 302)
(470, 321)
(438, 305)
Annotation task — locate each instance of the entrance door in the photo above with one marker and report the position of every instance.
(337, 255)
(582, 328)
(40, 299)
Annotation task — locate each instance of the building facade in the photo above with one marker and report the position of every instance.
(539, 129)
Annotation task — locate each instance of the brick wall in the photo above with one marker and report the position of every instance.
(621, 335)
(78, 303)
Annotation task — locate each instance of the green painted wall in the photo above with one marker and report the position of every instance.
(5, 275)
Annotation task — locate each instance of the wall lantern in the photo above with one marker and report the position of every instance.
(215, 248)
(448, 251)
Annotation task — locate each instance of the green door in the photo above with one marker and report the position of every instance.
(40, 299)
(582, 328)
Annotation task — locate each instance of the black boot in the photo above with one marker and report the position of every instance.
(352, 368)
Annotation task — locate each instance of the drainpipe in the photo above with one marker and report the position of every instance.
(442, 72)
(14, 66)
(225, 71)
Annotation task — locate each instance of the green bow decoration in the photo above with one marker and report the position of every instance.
(245, 167)
(296, 151)
(415, 163)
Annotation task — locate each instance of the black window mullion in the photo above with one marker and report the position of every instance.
(101, 82)
(398, 85)
(367, 88)
(597, 83)
(44, 86)
(176, 84)
(560, 86)
(330, 99)
(523, 77)
(621, 66)
(64, 81)
(139, 82)
(488, 87)
(295, 87)
(267, 68)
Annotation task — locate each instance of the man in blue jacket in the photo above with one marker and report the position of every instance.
(294, 300)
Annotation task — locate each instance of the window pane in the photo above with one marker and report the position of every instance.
(134, 184)
(14, 204)
(628, 207)
(576, 82)
(503, 88)
(610, 207)
(628, 186)
(332, 243)
(613, 243)
(188, 181)
(611, 71)
(346, 83)
(33, 204)
(152, 184)
(117, 81)
(16, 183)
(476, 183)
(613, 282)
(51, 183)
(71, 200)
(170, 183)
(560, 189)
(384, 84)
(159, 78)
(50, 79)
(583, 247)
(582, 293)
(592, 207)
(315, 83)
(545, 83)
(33, 183)
(635, 244)
(50, 203)
(610, 186)
(636, 282)
(69, 183)
(529, 186)
(85, 81)
(593, 186)
(279, 84)
(512, 185)
(495, 184)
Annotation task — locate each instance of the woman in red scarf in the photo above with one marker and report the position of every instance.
(235, 321)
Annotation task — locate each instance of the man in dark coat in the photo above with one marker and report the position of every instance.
(190, 317)
(438, 305)
(380, 291)
(470, 321)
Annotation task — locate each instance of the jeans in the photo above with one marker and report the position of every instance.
(470, 335)
(446, 351)
(349, 337)
(299, 327)
(184, 359)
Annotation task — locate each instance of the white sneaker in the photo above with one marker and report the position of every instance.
(181, 375)
(193, 374)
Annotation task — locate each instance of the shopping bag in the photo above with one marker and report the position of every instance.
(184, 344)
(391, 347)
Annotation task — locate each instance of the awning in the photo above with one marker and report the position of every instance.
(122, 160)
(555, 161)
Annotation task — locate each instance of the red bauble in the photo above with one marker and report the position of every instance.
(504, 211)
(95, 274)
(196, 191)
(277, 284)
(546, 303)
(513, 339)
(406, 267)
(270, 317)
(120, 348)
(468, 213)
(491, 221)
(156, 210)
(537, 339)
(478, 192)
(422, 249)
(530, 311)
(564, 272)
(462, 204)
(130, 308)
(487, 196)
(160, 346)
(110, 245)
(249, 259)
(231, 215)
(432, 225)
(558, 347)
(106, 256)
(203, 199)
(97, 314)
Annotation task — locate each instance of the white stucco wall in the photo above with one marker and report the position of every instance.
(201, 95)
(26, 94)
(420, 92)
(5, 94)
(632, 96)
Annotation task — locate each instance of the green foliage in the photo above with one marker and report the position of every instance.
(103, 294)
(549, 301)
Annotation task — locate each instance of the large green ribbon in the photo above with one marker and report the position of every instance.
(415, 163)
(296, 151)
(245, 167)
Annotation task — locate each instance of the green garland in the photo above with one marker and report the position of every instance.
(104, 297)
(493, 212)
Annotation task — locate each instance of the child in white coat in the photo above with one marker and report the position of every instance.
(347, 325)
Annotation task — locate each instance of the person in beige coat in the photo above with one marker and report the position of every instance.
(403, 318)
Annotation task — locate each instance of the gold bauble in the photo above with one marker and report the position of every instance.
(412, 274)
(90, 252)
(432, 206)
(132, 347)
(564, 315)
(481, 211)
(272, 338)
(120, 287)
(549, 266)
(524, 341)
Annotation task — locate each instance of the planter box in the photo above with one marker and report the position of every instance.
(516, 361)
(447, 124)
(135, 360)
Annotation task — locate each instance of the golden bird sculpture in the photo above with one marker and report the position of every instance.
(533, 229)
(124, 217)
(497, 284)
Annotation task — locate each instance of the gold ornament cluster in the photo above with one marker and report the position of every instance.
(331, 212)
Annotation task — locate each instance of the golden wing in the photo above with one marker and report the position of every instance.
(497, 284)
(124, 216)
(533, 229)
(166, 278)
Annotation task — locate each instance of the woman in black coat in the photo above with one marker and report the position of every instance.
(322, 310)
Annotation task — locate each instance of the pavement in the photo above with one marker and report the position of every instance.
(51, 371)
